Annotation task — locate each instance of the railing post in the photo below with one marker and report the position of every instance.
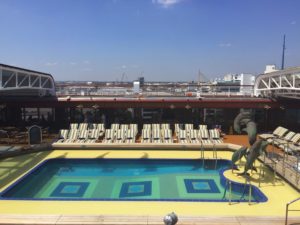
(287, 209)
(297, 168)
(250, 193)
(286, 213)
(202, 154)
(230, 189)
(260, 174)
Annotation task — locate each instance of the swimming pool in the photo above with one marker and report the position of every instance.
(129, 180)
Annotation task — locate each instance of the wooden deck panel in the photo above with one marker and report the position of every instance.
(141, 220)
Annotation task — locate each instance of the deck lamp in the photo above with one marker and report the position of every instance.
(170, 219)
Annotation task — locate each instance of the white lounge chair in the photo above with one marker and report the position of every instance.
(204, 136)
(278, 132)
(215, 136)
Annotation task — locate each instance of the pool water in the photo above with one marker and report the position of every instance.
(129, 179)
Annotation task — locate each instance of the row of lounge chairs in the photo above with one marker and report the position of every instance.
(127, 133)
(81, 133)
(121, 133)
(157, 135)
(185, 133)
(281, 137)
(203, 136)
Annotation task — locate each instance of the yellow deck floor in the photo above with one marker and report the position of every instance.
(278, 194)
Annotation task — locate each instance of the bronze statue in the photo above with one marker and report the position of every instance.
(244, 122)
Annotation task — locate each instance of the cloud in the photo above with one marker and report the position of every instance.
(86, 62)
(293, 22)
(50, 63)
(225, 45)
(72, 63)
(123, 66)
(166, 3)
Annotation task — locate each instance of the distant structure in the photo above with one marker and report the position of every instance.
(279, 83)
(141, 80)
(136, 87)
(16, 81)
(270, 69)
(283, 53)
(242, 83)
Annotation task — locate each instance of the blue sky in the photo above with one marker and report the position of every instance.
(162, 40)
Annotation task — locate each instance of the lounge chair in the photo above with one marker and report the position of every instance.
(165, 126)
(177, 128)
(63, 134)
(100, 127)
(292, 145)
(189, 126)
(182, 137)
(109, 136)
(166, 135)
(202, 127)
(287, 138)
(134, 128)
(130, 138)
(73, 134)
(94, 134)
(115, 126)
(73, 126)
(83, 134)
(156, 138)
(278, 132)
(193, 137)
(146, 126)
(204, 136)
(83, 126)
(72, 137)
(215, 136)
(120, 136)
(146, 136)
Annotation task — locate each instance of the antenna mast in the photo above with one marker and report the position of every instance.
(283, 53)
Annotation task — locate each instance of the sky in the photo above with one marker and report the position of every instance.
(161, 40)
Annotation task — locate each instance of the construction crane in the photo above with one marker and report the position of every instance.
(283, 53)
(124, 78)
(201, 78)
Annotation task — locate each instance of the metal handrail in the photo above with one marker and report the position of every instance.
(215, 155)
(202, 153)
(287, 209)
(250, 193)
(228, 183)
(230, 192)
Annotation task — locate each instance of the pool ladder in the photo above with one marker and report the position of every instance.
(247, 183)
(229, 185)
(202, 153)
(215, 154)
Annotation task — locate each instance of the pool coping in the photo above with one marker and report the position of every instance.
(142, 146)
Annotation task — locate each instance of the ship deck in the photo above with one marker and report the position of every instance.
(279, 193)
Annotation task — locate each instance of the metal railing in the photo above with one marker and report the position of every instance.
(287, 210)
(202, 153)
(228, 184)
(157, 90)
(215, 155)
(247, 183)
